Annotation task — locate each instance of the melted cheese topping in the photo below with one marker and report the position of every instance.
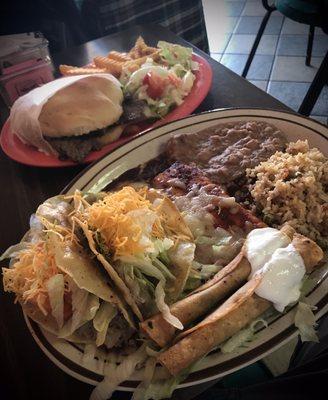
(126, 221)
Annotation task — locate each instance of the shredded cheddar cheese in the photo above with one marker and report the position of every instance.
(27, 277)
(115, 218)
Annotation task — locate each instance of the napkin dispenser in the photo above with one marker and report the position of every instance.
(25, 64)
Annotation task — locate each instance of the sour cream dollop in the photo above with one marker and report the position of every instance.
(271, 254)
(261, 244)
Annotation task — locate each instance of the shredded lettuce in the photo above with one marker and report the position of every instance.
(205, 271)
(178, 60)
(244, 336)
(164, 308)
(163, 268)
(102, 319)
(226, 252)
(115, 374)
(113, 337)
(163, 245)
(175, 54)
(54, 210)
(89, 353)
(193, 282)
(132, 282)
(80, 300)
(179, 70)
(84, 308)
(56, 286)
(36, 228)
(161, 248)
(183, 254)
(204, 240)
(14, 251)
(144, 264)
(140, 391)
(208, 270)
(307, 285)
(306, 323)
(158, 389)
(141, 287)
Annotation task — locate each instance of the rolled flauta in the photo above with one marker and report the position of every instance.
(240, 309)
(189, 309)
(234, 314)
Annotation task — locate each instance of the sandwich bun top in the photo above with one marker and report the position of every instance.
(84, 106)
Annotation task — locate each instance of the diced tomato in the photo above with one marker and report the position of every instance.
(155, 83)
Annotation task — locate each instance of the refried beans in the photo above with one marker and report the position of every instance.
(226, 150)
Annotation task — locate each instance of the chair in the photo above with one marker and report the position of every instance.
(313, 13)
(58, 20)
(185, 18)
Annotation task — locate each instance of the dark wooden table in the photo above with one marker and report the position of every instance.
(26, 371)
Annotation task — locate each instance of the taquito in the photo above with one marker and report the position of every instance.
(234, 314)
(187, 310)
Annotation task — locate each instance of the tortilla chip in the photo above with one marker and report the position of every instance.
(67, 332)
(121, 286)
(47, 322)
(173, 220)
(86, 274)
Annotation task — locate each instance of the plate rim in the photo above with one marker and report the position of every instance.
(216, 110)
(283, 336)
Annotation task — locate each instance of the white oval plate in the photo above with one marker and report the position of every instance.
(146, 146)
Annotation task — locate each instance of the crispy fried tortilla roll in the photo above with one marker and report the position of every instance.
(198, 303)
(219, 287)
(311, 253)
(238, 311)
(286, 230)
(225, 282)
(234, 314)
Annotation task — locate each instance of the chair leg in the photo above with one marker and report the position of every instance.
(257, 41)
(309, 45)
(314, 91)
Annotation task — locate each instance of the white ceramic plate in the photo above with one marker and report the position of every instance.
(143, 148)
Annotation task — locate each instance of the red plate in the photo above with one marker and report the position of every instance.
(25, 154)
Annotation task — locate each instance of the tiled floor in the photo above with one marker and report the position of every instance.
(279, 64)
